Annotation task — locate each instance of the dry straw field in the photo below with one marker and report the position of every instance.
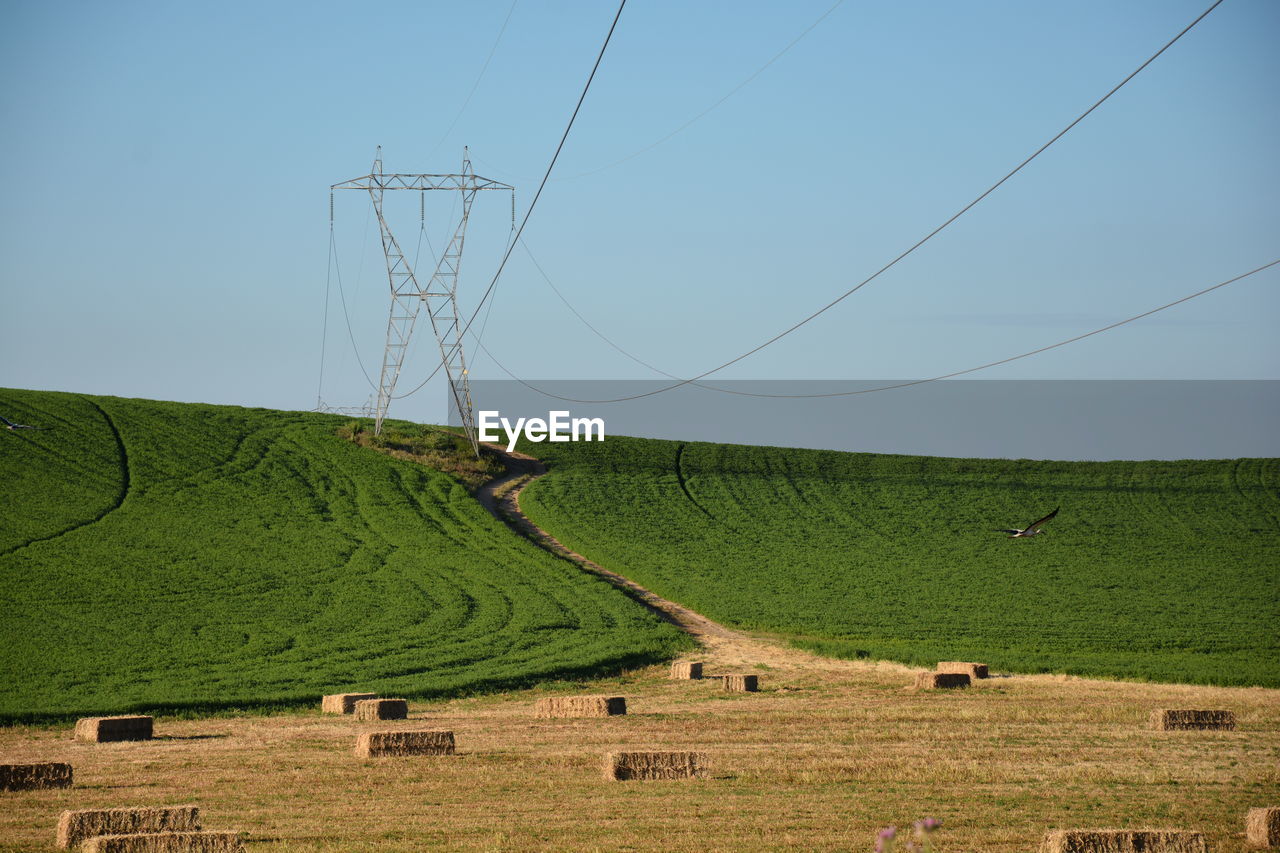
(825, 754)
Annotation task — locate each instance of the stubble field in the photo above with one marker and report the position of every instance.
(826, 754)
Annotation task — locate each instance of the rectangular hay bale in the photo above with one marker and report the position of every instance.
(1167, 720)
(343, 703)
(624, 766)
(684, 670)
(166, 842)
(941, 680)
(1122, 841)
(581, 706)
(741, 683)
(104, 729)
(1262, 827)
(76, 826)
(31, 777)
(382, 709)
(375, 744)
(973, 670)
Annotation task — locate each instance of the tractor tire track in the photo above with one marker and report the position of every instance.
(112, 507)
(684, 486)
(125, 477)
(1250, 500)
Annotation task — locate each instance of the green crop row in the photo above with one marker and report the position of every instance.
(1167, 571)
(169, 556)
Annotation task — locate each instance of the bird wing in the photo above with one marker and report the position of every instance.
(1007, 530)
(7, 421)
(1035, 524)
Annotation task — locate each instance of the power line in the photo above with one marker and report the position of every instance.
(951, 375)
(584, 320)
(928, 236)
(709, 109)
(730, 94)
(333, 254)
(489, 309)
(529, 211)
(563, 138)
(467, 101)
(324, 330)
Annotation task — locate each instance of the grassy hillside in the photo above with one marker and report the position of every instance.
(1153, 570)
(165, 555)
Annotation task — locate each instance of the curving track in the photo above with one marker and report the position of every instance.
(501, 496)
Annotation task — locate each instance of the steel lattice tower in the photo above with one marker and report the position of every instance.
(439, 295)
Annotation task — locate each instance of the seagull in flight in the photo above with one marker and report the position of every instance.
(11, 425)
(1030, 530)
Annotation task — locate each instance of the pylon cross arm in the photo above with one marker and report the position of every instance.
(395, 181)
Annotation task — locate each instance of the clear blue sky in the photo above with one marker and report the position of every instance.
(164, 219)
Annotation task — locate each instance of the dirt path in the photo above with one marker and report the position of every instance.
(721, 645)
(502, 498)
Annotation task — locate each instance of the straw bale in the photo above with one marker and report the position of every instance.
(382, 709)
(29, 777)
(374, 744)
(741, 683)
(621, 766)
(1170, 720)
(581, 706)
(1262, 827)
(973, 670)
(343, 703)
(76, 826)
(1122, 841)
(939, 680)
(166, 842)
(686, 670)
(103, 729)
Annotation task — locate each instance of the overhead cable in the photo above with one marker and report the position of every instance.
(324, 330)
(896, 385)
(333, 253)
(529, 211)
(729, 95)
(709, 109)
(932, 233)
(599, 334)
(467, 100)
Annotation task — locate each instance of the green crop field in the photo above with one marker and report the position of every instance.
(1166, 571)
(176, 556)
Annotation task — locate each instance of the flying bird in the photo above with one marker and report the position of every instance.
(1030, 530)
(11, 425)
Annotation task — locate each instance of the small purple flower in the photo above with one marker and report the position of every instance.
(884, 841)
(929, 824)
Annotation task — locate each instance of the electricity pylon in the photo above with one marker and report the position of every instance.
(440, 294)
